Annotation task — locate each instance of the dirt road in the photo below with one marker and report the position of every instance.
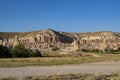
(95, 68)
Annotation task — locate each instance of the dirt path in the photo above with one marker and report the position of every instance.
(95, 68)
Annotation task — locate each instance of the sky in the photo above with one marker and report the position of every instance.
(60, 15)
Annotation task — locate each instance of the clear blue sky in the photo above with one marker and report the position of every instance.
(60, 15)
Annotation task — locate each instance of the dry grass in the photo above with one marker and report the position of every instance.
(71, 77)
(47, 61)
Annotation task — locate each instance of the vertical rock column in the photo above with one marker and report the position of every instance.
(75, 45)
(16, 41)
(32, 40)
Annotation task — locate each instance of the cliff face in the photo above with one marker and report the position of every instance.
(38, 39)
(47, 39)
(99, 40)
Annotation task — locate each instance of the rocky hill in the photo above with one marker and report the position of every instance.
(47, 39)
(98, 40)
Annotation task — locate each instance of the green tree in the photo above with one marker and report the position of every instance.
(4, 52)
(20, 51)
(35, 53)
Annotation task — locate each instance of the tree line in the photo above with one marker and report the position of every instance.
(18, 51)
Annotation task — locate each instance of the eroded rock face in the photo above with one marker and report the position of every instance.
(16, 41)
(75, 45)
(47, 39)
(99, 40)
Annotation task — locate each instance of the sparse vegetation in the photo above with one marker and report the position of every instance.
(78, 76)
(20, 51)
(7, 35)
(114, 51)
(35, 53)
(93, 50)
(4, 52)
(47, 61)
(55, 48)
(109, 50)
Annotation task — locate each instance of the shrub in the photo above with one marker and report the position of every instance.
(20, 51)
(85, 50)
(96, 50)
(117, 51)
(93, 50)
(55, 48)
(110, 50)
(4, 52)
(35, 53)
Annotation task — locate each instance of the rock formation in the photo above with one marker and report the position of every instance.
(16, 41)
(75, 45)
(46, 39)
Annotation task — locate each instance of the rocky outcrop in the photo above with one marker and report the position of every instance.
(16, 41)
(46, 39)
(75, 45)
(99, 41)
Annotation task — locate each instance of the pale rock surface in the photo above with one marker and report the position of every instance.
(47, 39)
(16, 41)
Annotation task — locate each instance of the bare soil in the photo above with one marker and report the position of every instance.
(107, 67)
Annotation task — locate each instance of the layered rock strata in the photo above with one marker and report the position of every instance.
(48, 39)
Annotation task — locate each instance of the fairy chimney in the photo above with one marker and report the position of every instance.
(75, 45)
(16, 41)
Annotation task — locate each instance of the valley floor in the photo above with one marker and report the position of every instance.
(106, 67)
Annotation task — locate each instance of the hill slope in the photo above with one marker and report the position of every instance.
(47, 39)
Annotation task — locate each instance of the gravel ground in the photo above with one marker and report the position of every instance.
(91, 68)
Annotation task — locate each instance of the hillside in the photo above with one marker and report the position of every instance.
(47, 39)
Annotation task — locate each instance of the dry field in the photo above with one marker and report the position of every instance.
(113, 76)
(48, 61)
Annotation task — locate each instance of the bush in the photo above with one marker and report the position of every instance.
(85, 50)
(55, 48)
(20, 51)
(96, 50)
(110, 50)
(35, 53)
(4, 52)
(93, 50)
(117, 51)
